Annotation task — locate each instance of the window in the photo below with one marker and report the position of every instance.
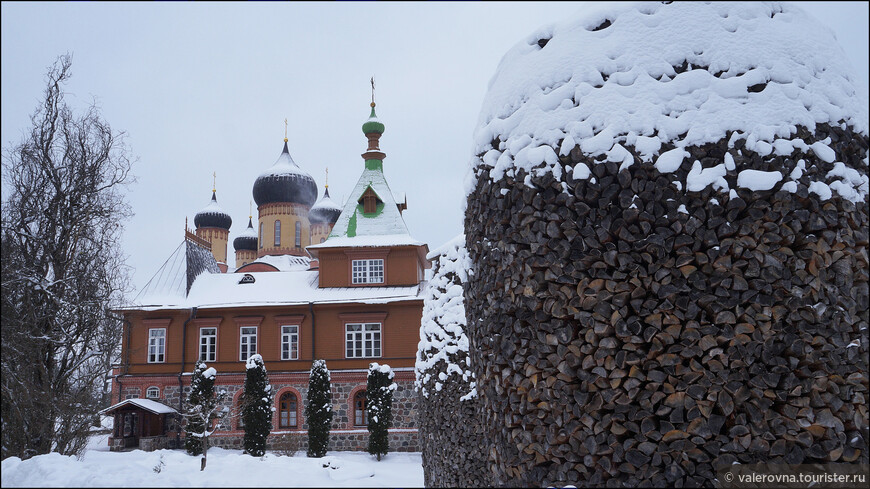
(298, 234)
(363, 340)
(277, 233)
(152, 392)
(360, 418)
(156, 345)
(247, 343)
(208, 344)
(261, 235)
(322, 240)
(131, 396)
(367, 271)
(287, 410)
(289, 342)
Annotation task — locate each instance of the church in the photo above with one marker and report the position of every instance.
(312, 280)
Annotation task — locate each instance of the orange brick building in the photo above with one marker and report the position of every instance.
(313, 280)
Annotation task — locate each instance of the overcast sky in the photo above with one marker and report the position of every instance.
(205, 87)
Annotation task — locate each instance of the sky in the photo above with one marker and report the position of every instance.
(204, 88)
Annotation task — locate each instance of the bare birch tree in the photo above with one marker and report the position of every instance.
(62, 270)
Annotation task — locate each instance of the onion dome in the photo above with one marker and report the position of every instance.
(373, 124)
(247, 240)
(285, 182)
(325, 211)
(212, 216)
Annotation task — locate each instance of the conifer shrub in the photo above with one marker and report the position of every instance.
(379, 407)
(256, 407)
(318, 409)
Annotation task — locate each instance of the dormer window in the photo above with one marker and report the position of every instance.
(367, 271)
(369, 201)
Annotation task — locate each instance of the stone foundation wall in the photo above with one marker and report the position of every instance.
(345, 436)
(631, 332)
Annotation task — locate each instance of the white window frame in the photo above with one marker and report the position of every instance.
(290, 338)
(363, 340)
(249, 346)
(151, 389)
(367, 271)
(211, 351)
(156, 349)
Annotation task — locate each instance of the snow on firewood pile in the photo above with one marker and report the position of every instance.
(641, 76)
(667, 219)
(454, 456)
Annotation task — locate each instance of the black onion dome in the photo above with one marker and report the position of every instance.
(213, 216)
(247, 240)
(324, 211)
(285, 182)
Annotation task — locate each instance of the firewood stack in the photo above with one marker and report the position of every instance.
(647, 345)
(452, 438)
(667, 223)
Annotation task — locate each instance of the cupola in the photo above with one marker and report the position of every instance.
(285, 182)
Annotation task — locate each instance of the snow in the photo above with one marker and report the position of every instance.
(368, 241)
(758, 180)
(226, 468)
(608, 88)
(356, 228)
(209, 373)
(285, 263)
(442, 329)
(298, 287)
(669, 161)
(284, 165)
(212, 208)
(147, 404)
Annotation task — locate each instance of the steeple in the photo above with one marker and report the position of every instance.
(373, 128)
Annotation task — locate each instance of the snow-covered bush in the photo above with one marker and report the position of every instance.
(256, 406)
(379, 407)
(318, 409)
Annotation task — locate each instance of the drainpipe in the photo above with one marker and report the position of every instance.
(180, 383)
(311, 310)
(183, 351)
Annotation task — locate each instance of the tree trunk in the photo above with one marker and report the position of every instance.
(204, 452)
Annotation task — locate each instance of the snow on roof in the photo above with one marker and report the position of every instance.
(284, 165)
(146, 404)
(369, 241)
(280, 289)
(284, 263)
(171, 282)
(325, 202)
(356, 228)
(608, 78)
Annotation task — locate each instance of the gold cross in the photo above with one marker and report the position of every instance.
(285, 129)
(214, 182)
(327, 177)
(373, 91)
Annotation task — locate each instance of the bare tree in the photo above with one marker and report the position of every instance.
(62, 270)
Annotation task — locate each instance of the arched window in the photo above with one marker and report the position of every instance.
(261, 235)
(287, 410)
(277, 232)
(322, 240)
(152, 392)
(360, 418)
(298, 234)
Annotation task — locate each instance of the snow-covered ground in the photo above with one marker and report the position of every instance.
(226, 468)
